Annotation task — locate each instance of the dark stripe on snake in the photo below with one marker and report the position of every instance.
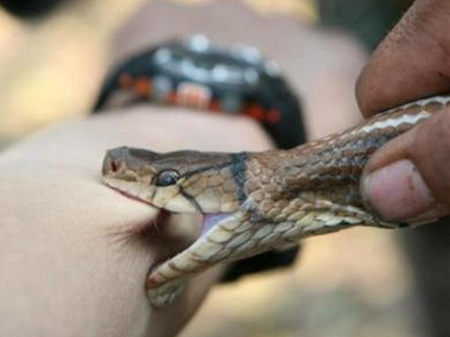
(238, 169)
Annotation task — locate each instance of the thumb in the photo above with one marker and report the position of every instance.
(409, 178)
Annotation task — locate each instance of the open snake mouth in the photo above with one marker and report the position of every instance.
(221, 236)
(209, 222)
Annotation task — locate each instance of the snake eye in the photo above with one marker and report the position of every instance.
(167, 178)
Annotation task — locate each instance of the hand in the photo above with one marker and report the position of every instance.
(409, 178)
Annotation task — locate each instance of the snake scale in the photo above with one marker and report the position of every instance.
(255, 201)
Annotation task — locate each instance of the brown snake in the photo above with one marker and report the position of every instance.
(253, 202)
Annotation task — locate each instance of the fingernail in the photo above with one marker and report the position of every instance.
(397, 191)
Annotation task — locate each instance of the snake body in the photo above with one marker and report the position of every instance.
(252, 202)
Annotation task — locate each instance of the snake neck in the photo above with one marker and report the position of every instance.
(330, 168)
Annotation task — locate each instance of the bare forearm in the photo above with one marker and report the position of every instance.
(73, 256)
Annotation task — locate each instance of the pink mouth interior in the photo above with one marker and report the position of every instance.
(210, 220)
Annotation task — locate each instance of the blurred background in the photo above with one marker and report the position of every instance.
(358, 283)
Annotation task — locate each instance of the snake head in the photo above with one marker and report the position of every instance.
(180, 182)
(212, 184)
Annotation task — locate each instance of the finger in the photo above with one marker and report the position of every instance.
(412, 62)
(410, 176)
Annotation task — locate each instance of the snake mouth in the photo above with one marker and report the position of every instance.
(208, 224)
(210, 220)
(202, 251)
(205, 245)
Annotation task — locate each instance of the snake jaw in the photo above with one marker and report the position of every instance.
(134, 174)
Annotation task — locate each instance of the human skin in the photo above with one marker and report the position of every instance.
(74, 255)
(409, 178)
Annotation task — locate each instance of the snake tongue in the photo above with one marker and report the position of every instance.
(211, 220)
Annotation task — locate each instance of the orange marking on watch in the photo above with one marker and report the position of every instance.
(256, 112)
(143, 86)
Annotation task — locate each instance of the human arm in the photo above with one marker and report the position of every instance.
(74, 255)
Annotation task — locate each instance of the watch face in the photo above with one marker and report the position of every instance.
(203, 75)
(200, 69)
(198, 74)
(200, 61)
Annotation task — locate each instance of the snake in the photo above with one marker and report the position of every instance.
(252, 202)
